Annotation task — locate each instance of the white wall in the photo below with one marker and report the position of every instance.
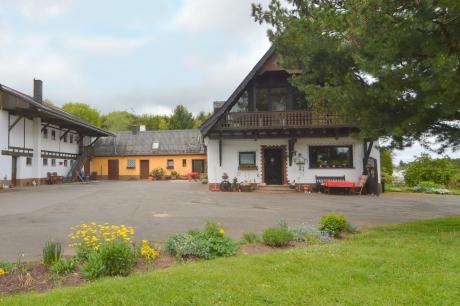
(5, 161)
(231, 148)
(27, 134)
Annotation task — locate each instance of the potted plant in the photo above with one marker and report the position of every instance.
(246, 187)
(157, 173)
(235, 186)
(173, 174)
(225, 176)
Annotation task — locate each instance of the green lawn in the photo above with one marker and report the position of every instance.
(416, 264)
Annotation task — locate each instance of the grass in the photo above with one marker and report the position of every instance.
(410, 264)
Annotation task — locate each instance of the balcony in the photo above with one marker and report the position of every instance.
(278, 120)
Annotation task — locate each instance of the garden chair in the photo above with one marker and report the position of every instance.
(361, 185)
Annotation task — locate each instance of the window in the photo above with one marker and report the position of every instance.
(242, 105)
(198, 165)
(247, 160)
(29, 161)
(170, 164)
(131, 164)
(65, 162)
(45, 162)
(65, 137)
(155, 145)
(71, 139)
(53, 162)
(278, 97)
(53, 135)
(262, 101)
(184, 163)
(45, 134)
(331, 157)
(71, 162)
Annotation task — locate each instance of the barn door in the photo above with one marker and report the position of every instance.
(113, 169)
(145, 169)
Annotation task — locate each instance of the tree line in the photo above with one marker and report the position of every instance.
(181, 118)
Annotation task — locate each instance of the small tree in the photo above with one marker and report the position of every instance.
(181, 119)
(425, 168)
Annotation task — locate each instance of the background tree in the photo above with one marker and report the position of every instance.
(424, 168)
(84, 112)
(118, 121)
(390, 67)
(181, 119)
(154, 122)
(200, 118)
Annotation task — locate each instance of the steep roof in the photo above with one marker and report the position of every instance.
(27, 106)
(209, 124)
(167, 142)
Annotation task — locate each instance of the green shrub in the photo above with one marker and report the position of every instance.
(63, 266)
(94, 267)
(83, 253)
(277, 236)
(334, 224)
(424, 168)
(208, 243)
(52, 252)
(174, 173)
(250, 238)
(7, 266)
(157, 173)
(117, 258)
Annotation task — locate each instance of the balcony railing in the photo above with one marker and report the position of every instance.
(278, 119)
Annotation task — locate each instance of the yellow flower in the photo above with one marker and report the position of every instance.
(3, 271)
(221, 232)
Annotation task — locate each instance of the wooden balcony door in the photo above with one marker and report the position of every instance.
(145, 169)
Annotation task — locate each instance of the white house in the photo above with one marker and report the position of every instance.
(38, 139)
(265, 134)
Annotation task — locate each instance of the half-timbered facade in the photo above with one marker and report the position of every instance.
(38, 139)
(265, 133)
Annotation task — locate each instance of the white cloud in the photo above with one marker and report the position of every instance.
(227, 16)
(107, 44)
(41, 8)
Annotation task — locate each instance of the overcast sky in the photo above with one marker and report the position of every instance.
(139, 55)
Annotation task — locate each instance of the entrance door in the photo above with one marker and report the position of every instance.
(273, 166)
(14, 169)
(113, 169)
(145, 169)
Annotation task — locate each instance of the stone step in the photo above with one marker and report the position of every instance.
(275, 189)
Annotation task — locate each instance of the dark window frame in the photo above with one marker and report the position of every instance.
(312, 162)
(45, 133)
(45, 162)
(167, 164)
(184, 163)
(53, 162)
(53, 135)
(28, 161)
(253, 153)
(71, 139)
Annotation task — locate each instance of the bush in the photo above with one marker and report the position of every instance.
(157, 173)
(148, 252)
(307, 233)
(52, 252)
(209, 243)
(174, 173)
(94, 267)
(334, 224)
(250, 238)
(277, 236)
(117, 258)
(424, 168)
(63, 266)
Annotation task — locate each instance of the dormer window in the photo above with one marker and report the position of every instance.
(155, 146)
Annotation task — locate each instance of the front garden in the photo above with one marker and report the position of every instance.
(105, 250)
(409, 264)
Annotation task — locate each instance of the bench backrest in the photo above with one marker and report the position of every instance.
(320, 179)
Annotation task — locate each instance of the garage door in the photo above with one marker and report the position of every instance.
(113, 169)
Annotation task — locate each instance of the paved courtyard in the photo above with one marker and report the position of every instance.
(31, 216)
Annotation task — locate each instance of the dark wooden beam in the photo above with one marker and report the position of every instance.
(220, 152)
(367, 144)
(291, 146)
(14, 123)
(94, 141)
(65, 134)
(45, 126)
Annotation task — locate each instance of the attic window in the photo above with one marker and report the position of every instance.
(155, 145)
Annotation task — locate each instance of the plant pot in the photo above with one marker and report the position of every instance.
(173, 177)
(225, 177)
(150, 178)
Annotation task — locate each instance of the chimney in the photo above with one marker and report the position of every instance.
(38, 91)
(218, 105)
